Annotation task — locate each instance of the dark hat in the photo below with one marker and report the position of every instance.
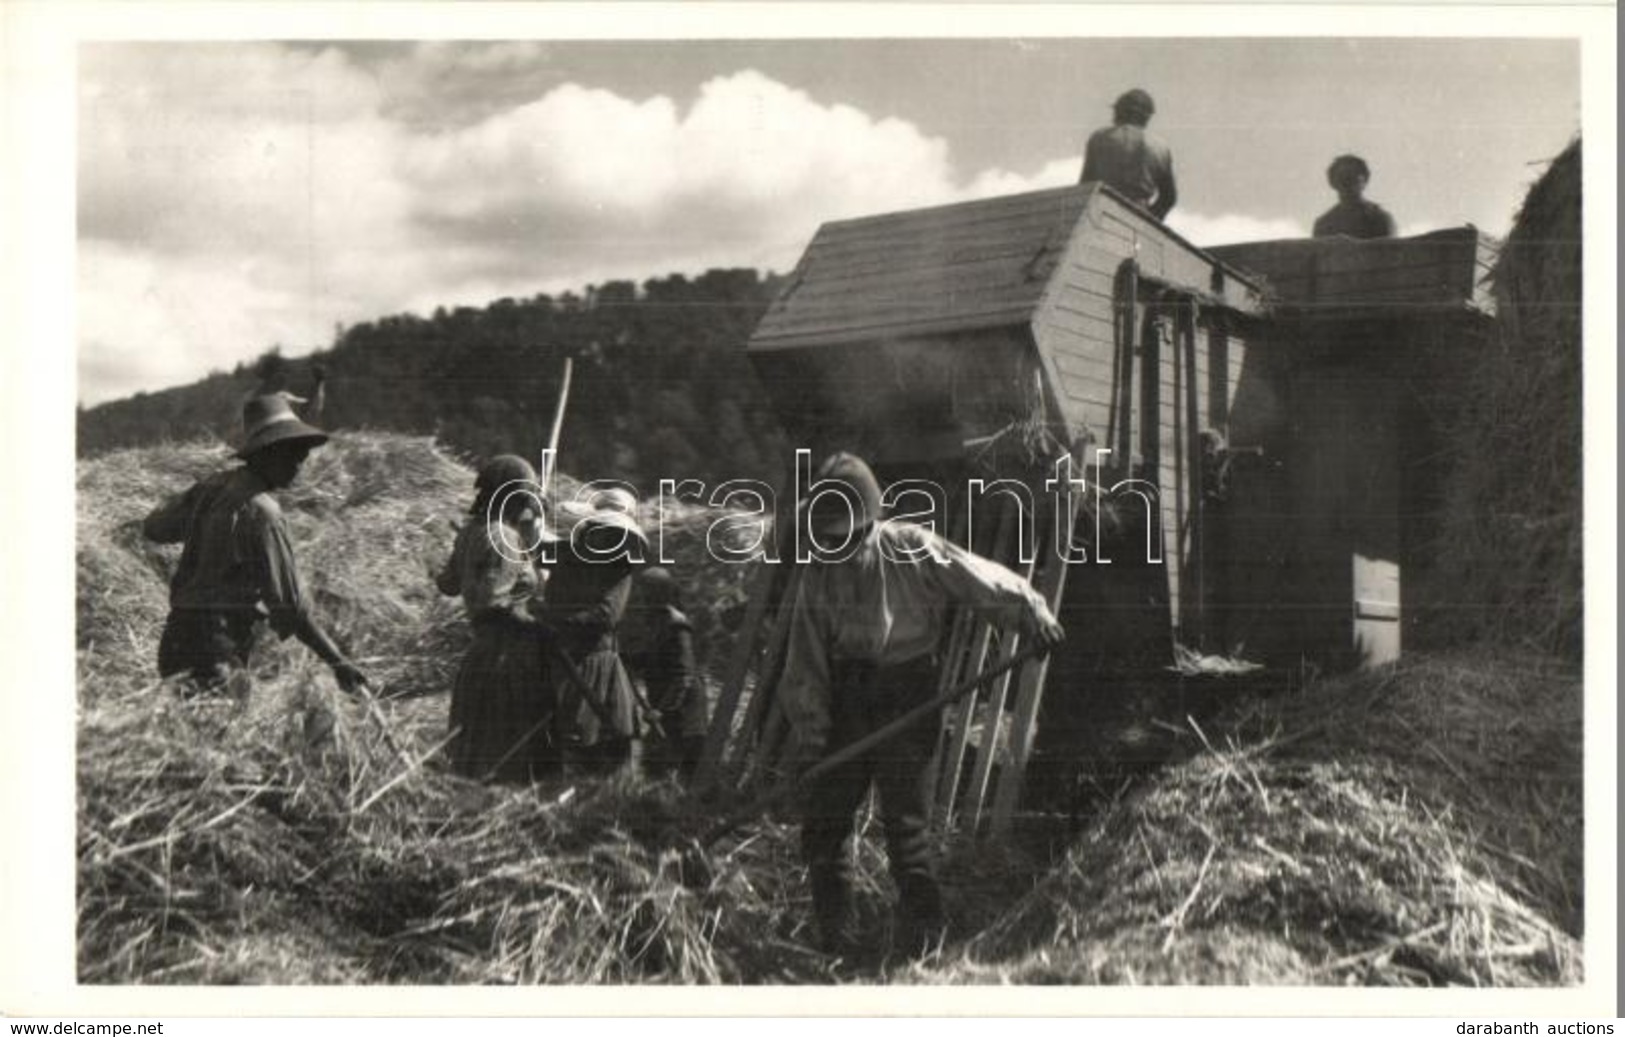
(1347, 163)
(1135, 100)
(855, 472)
(502, 470)
(658, 583)
(270, 419)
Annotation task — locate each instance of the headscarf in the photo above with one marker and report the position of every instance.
(863, 490)
(658, 582)
(510, 475)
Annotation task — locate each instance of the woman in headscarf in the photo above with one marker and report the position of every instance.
(501, 705)
(587, 592)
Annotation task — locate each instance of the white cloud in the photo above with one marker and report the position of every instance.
(1231, 228)
(445, 83)
(1198, 228)
(744, 175)
(236, 196)
(1414, 227)
(146, 322)
(584, 184)
(182, 144)
(1055, 173)
(230, 197)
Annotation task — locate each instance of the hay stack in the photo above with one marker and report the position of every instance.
(1509, 549)
(122, 580)
(280, 837)
(1493, 739)
(369, 516)
(1237, 869)
(211, 840)
(206, 829)
(281, 840)
(1362, 833)
(1418, 826)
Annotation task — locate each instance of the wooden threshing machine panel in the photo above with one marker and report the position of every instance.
(1372, 341)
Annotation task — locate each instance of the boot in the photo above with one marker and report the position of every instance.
(831, 910)
(919, 923)
(692, 748)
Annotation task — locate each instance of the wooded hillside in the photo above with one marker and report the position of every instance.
(661, 386)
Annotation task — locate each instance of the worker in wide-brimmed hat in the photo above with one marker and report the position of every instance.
(237, 572)
(1131, 159)
(588, 587)
(864, 629)
(501, 704)
(1354, 215)
(663, 656)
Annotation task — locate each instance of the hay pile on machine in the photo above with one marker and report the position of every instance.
(976, 348)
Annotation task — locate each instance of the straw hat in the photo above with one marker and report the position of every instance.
(615, 499)
(606, 519)
(616, 508)
(270, 419)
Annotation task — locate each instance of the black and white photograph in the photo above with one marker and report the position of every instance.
(867, 508)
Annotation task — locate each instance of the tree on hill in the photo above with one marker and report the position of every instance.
(661, 386)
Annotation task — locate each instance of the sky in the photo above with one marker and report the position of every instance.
(236, 196)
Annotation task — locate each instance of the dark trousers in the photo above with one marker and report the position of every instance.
(864, 698)
(604, 757)
(677, 743)
(205, 644)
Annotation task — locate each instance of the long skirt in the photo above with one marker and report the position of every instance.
(502, 708)
(598, 732)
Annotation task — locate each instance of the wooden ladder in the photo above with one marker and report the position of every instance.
(985, 741)
(989, 736)
(734, 744)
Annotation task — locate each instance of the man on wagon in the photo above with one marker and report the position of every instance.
(1354, 215)
(1130, 158)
